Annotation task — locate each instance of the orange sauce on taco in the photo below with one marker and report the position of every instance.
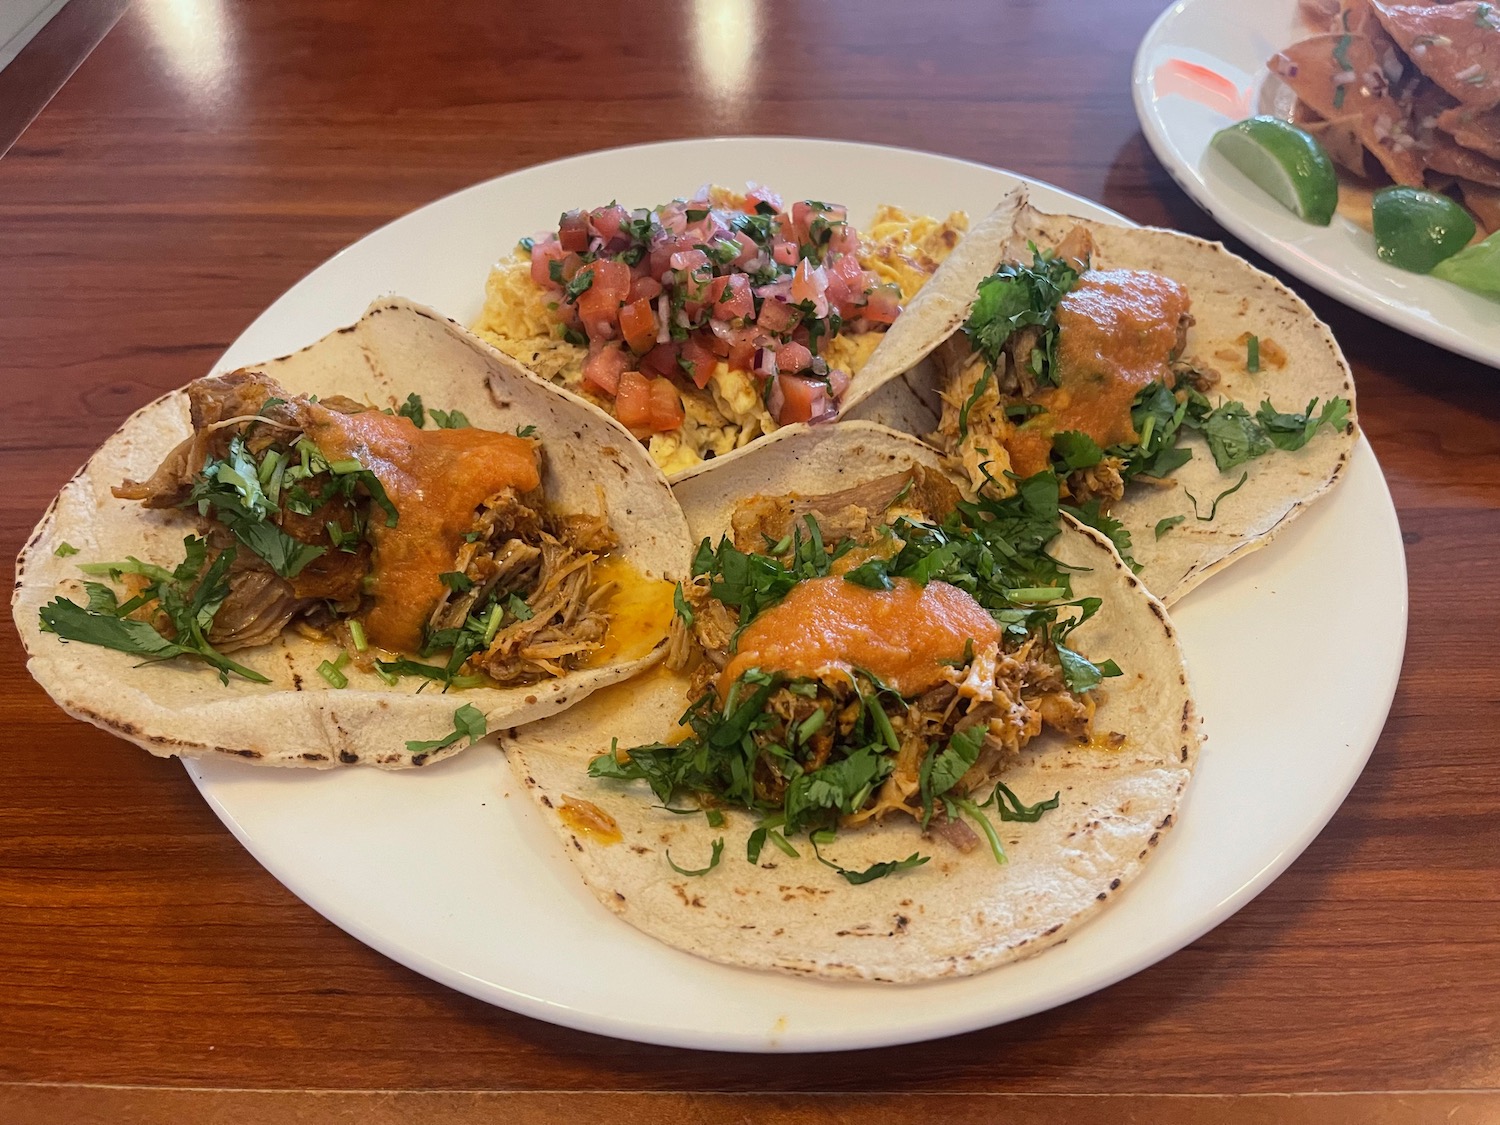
(1117, 330)
(908, 635)
(435, 479)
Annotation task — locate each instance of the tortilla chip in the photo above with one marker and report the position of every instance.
(1456, 45)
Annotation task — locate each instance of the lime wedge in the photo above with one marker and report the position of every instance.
(1416, 229)
(1476, 268)
(1285, 162)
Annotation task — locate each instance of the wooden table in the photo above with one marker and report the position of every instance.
(208, 154)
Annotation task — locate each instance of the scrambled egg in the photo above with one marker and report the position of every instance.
(898, 247)
(907, 249)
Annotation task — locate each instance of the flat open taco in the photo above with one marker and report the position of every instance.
(921, 737)
(1189, 404)
(373, 577)
(705, 322)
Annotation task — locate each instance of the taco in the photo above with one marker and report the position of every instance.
(706, 322)
(919, 737)
(368, 551)
(1189, 404)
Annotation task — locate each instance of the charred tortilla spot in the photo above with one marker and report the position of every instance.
(546, 800)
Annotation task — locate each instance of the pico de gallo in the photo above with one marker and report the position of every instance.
(716, 317)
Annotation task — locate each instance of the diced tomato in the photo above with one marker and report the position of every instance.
(607, 221)
(716, 344)
(791, 358)
(633, 400)
(599, 304)
(690, 259)
(847, 267)
(808, 283)
(666, 406)
(638, 326)
(573, 231)
(846, 284)
(803, 399)
(803, 214)
(883, 304)
(731, 297)
(604, 366)
(741, 355)
(697, 361)
(662, 359)
(543, 254)
(785, 253)
(644, 289)
(777, 317)
(661, 253)
(748, 248)
(844, 240)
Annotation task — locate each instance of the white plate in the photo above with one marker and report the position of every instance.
(450, 871)
(1233, 39)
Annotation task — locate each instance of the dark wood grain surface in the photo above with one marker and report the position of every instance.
(208, 154)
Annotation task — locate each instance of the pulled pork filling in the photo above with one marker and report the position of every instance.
(349, 522)
(1082, 373)
(831, 688)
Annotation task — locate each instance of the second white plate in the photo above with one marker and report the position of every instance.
(1202, 66)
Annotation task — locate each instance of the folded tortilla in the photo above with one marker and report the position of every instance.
(958, 914)
(1230, 298)
(591, 464)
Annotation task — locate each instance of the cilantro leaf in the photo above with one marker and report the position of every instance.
(680, 605)
(1080, 673)
(1016, 297)
(871, 873)
(188, 597)
(1293, 431)
(1077, 449)
(1013, 808)
(718, 851)
(412, 408)
(468, 722)
(1233, 436)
